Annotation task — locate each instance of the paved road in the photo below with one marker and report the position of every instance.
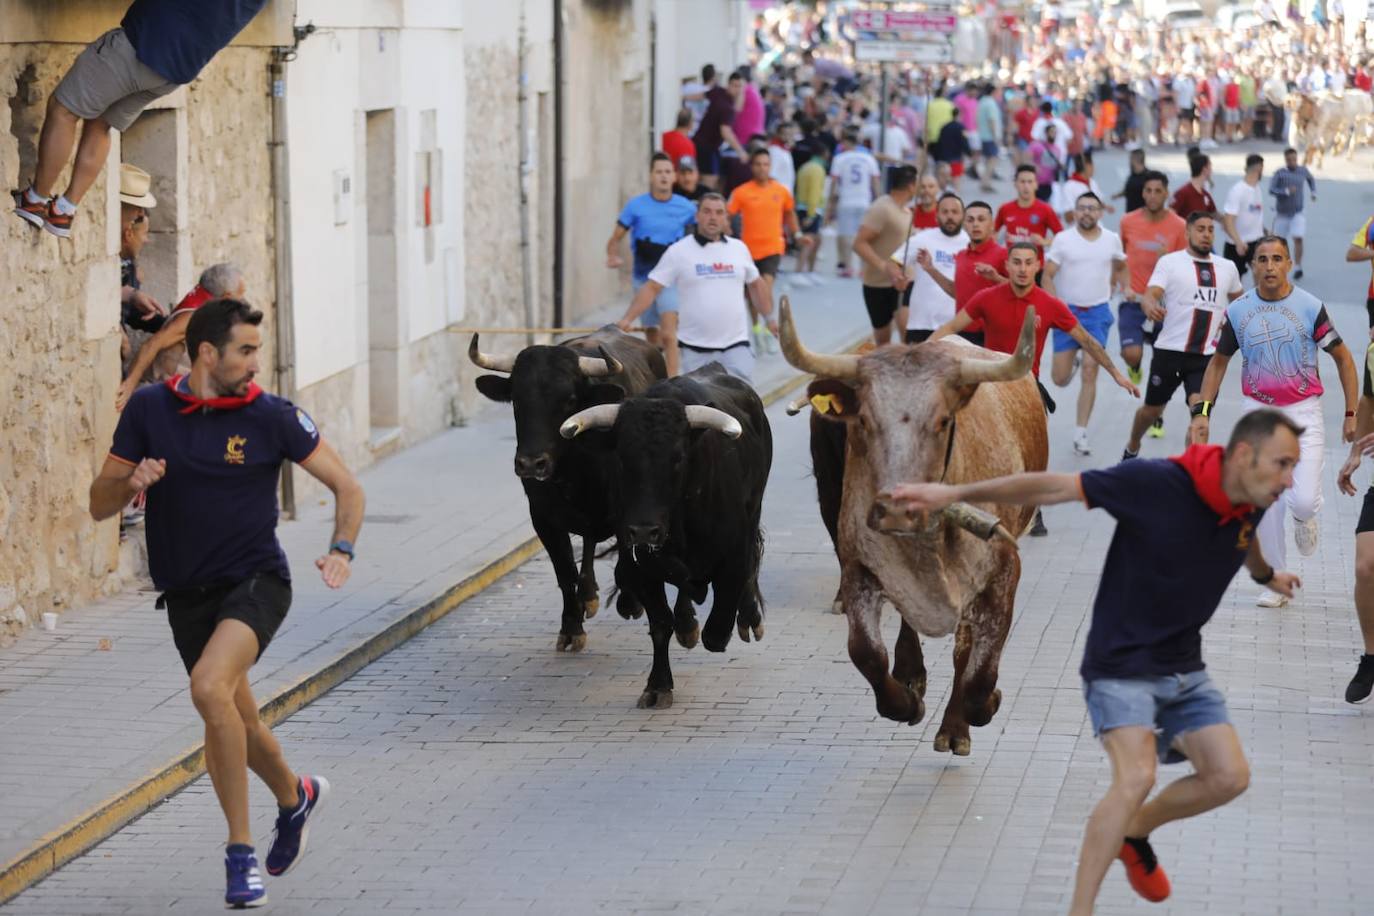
(476, 770)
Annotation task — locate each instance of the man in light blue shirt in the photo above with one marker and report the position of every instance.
(989, 133)
(1287, 188)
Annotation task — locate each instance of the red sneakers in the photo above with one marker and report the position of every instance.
(1143, 871)
(33, 213)
(59, 224)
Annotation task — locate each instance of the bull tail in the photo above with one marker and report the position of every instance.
(755, 564)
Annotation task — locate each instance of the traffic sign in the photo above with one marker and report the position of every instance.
(894, 21)
(938, 51)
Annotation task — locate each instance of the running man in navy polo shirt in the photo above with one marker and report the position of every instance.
(208, 449)
(1184, 526)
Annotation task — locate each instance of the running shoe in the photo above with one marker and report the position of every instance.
(1297, 274)
(59, 224)
(1271, 599)
(1305, 533)
(844, 272)
(1143, 871)
(1038, 529)
(1362, 684)
(1081, 446)
(1135, 374)
(31, 213)
(1156, 430)
(244, 883)
(1127, 454)
(293, 827)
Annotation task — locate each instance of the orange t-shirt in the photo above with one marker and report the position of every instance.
(761, 210)
(1146, 242)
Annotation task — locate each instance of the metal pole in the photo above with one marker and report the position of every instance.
(284, 317)
(522, 125)
(558, 190)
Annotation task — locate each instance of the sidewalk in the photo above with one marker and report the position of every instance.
(96, 717)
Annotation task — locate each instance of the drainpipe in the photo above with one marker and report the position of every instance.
(284, 318)
(653, 78)
(558, 190)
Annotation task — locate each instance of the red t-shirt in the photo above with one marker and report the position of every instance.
(1002, 312)
(1363, 80)
(677, 144)
(1025, 121)
(1188, 199)
(1023, 222)
(1232, 95)
(967, 283)
(921, 219)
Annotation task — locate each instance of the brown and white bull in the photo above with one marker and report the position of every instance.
(941, 411)
(1324, 121)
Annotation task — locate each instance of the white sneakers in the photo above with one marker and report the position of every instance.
(1305, 533)
(1080, 444)
(1271, 599)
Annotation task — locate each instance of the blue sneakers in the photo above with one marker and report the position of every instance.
(292, 831)
(244, 883)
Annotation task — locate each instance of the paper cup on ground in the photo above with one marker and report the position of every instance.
(49, 621)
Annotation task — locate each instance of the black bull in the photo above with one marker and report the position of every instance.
(569, 485)
(692, 457)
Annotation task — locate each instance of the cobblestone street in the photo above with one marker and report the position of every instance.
(477, 770)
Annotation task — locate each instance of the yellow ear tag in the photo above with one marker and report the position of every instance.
(827, 403)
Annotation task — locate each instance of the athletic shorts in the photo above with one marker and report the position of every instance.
(848, 219)
(810, 225)
(1097, 320)
(737, 360)
(1187, 114)
(665, 301)
(768, 266)
(1131, 327)
(956, 169)
(108, 81)
(1172, 705)
(1291, 227)
(260, 601)
(989, 149)
(1229, 252)
(1368, 382)
(1231, 115)
(921, 335)
(1168, 370)
(1366, 522)
(882, 303)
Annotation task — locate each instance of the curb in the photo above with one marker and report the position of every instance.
(60, 846)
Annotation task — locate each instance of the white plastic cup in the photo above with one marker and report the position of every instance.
(49, 621)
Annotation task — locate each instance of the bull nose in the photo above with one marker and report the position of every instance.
(876, 513)
(646, 535)
(538, 467)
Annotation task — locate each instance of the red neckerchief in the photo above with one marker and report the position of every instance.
(1203, 464)
(194, 299)
(1078, 177)
(194, 403)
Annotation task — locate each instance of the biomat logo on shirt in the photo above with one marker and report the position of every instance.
(716, 269)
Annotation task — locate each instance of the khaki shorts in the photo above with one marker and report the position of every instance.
(109, 82)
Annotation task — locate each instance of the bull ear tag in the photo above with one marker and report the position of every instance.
(827, 404)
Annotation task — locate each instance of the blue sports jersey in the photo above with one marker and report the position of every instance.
(1278, 342)
(212, 519)
(653, 226)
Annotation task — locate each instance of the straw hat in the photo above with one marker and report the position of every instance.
(134, 184)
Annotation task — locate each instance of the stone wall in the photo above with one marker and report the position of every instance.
(59, 339)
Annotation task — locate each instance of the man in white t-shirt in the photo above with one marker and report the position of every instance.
(932, 251)
(1084, 266)
(854, 177)
(710, 271)
(1188, 291)
(1185, 98)
(1243, 215)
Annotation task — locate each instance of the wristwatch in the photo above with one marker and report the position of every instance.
(1201, 409)
(343, 547)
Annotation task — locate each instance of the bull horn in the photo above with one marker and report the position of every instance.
(801, 403)
(487, 361)
(974, 371)
(602, 416)
(598, 366)
(981, 524)
(844, 367)
(702, 417)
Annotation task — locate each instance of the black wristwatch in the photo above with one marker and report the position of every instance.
(343, 547)
(1263, 580)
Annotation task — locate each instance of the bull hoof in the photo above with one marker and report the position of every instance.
(758, 631)
(590, 606)
(655, 699)
(837, 606)
(628, 607)
(743, 631)
(920, 711)
(961, 747)
(715, 642)
(575, 643)
(689, 639)
(942, 742)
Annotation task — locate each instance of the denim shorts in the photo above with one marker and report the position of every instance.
(1172, 705)
(1097, 320)
(666, 301)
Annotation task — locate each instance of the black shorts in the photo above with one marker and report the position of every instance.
(260, 601)
(1364, 370)
(769, 266)
(1229, 252)
(810, 225)
(1168, 370)
(915, 336)
(1187, 114)
(882, 303)
(1366, 522)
